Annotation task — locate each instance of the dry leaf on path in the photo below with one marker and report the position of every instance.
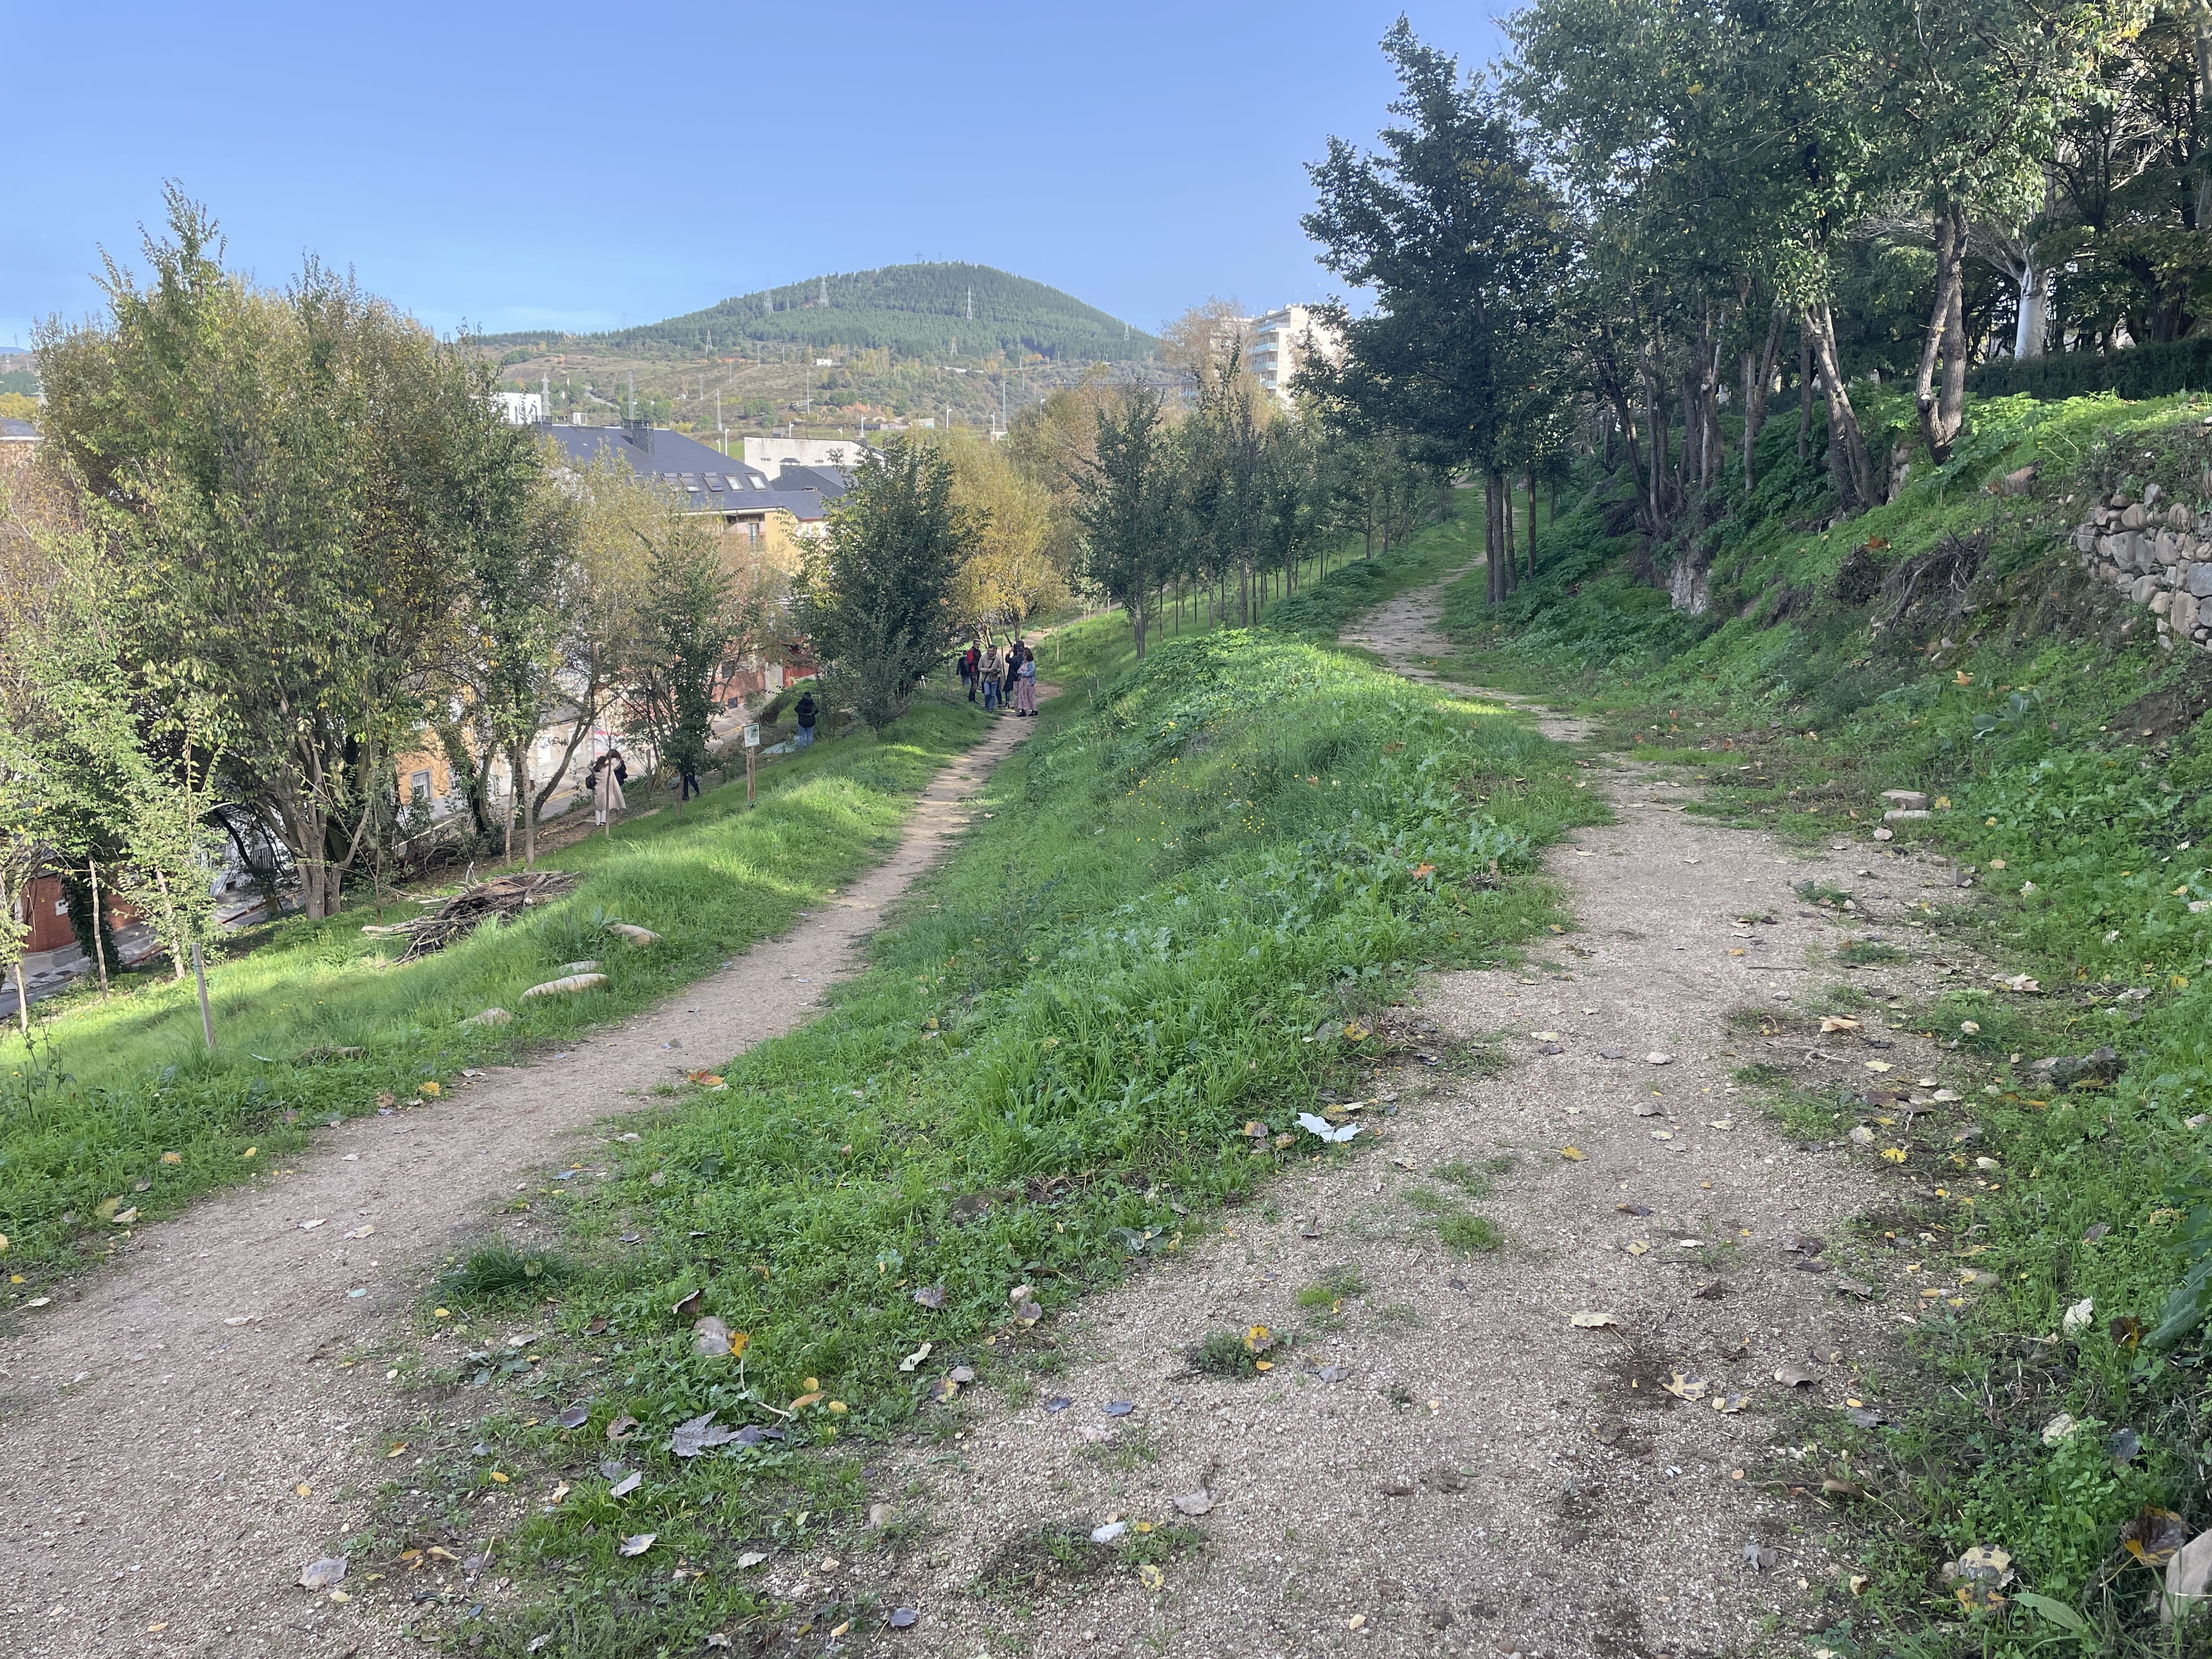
(638, 1543)
(629, 1484)
(1589, 1321)
(620, 1427)
(687, 1305)
(573, 1417)
(323, 1572)
(1195, 1503)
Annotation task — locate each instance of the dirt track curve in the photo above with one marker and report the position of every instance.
(174, 1429)
(1444, 1462)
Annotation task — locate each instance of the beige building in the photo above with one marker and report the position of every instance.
(1278, 342)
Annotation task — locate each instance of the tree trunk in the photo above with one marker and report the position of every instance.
(1758, 375)
(99, 945)
(1804, 390)
(1137, 625)
(1848, 463)
(169, 913)
(2032, 327)
(1942, 409)
(1531, 525)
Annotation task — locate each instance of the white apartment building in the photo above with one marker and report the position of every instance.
(1277, 343)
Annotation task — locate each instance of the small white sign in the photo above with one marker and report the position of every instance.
(752, 736)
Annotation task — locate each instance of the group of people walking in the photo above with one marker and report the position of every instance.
(1002, 679)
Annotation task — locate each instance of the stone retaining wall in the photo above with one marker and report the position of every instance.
(2160, 557)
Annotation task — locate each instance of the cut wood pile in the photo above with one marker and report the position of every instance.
(473, 906)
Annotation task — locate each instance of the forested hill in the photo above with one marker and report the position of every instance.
(917, 310)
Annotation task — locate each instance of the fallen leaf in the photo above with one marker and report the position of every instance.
(814, 1398)
(1730, 1404)
(711, 1339)
(172, 1158)
(1877, 1065)
(2095, 1233)
(573, 1417)
(702, 1434)
(1794, 1377)
(1683, 1386)
(1838, 1022)
(360, 1232)
(638, 1543)
(1591, 1321)
(1648, 1108)
(931, 1296)
(687, 1305)
(1151, 1577)
(2059, 1428)
(1195, 1503)
(1760, 1558)
(917, 1356)
(2077, 1317)
(323, 1572)
(903, 1618)
(1657, 1059)
(1572, 1154)
(620, 1427)
(1110, 1532)
(629, 1484)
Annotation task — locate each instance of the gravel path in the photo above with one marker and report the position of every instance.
(182, 1433)
(1444, 1461)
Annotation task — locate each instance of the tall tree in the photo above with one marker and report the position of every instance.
(1124, 501)
(267, 469)
(877, 595)
(1461, 247)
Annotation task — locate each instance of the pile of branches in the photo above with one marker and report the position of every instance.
(477, 903)
(1945, 571)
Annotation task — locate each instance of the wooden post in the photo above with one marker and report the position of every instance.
(23, 999)
(199, 976)
(99, 948)
(752, 749)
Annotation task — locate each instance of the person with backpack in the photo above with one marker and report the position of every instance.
(1014, 654)
(971, 668)
(804, 711)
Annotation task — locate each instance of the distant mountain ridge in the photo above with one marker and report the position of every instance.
(915, 310)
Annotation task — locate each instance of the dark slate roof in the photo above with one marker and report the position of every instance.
(709, 480)
(11, 428)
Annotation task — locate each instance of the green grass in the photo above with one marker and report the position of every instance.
(1088, 655)
(2058, 749)
(110, 1088)
(1192, 883)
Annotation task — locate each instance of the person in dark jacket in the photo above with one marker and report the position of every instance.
(971, 669)
(804, 711)
(1015, 652)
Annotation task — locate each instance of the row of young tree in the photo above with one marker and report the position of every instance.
(273, 541)
(1651, 209)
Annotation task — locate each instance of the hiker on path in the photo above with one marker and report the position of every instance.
(994, 671)
(608, 775)
(690, 780)
(1014, 654)
(971, 666)
(1026, 686)
(804, 710)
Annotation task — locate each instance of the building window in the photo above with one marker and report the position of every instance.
(418, 788)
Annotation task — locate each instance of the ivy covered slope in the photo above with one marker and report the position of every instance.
(1952, 643)
(1095, 1024)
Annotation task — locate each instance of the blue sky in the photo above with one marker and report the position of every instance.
(582, 167)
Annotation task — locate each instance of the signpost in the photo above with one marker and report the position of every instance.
(752, 749)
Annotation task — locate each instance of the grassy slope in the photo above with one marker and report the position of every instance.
(115, 1086)
(2058, 746)
(1191, 886)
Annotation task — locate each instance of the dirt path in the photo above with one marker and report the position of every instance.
(1443, 1461)
(181, 1435)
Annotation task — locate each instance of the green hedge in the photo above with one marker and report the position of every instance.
(2144, 370)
